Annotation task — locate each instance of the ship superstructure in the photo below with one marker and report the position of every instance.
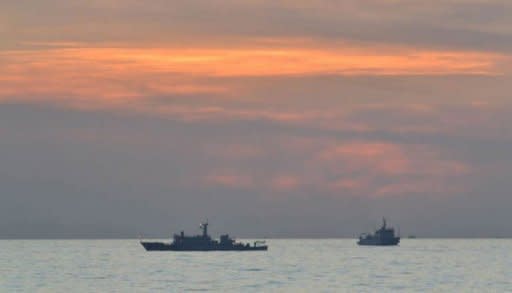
(383, 236)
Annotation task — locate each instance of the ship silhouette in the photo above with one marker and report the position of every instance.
(384, 236)
(203, 242)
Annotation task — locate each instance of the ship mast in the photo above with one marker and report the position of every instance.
(204, 226)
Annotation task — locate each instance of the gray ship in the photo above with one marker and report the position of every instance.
(203, 242)
(383, 237)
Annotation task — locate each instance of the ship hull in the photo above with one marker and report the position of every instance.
(160, 246)
(370, 242)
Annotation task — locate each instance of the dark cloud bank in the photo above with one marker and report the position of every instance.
(90, 174)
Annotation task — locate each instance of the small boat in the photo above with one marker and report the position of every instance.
(203, 242)
(382, 237)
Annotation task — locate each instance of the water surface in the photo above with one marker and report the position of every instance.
(447, 265)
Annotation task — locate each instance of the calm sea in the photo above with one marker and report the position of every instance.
(330, 265)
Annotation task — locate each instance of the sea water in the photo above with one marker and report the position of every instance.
(303, 265)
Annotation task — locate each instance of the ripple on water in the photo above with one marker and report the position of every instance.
(122, 265)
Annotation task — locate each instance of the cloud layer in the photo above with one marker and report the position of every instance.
(322, 117)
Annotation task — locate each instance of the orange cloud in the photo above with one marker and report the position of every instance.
(230, 180)
(392, 159)
(387, 169)
(233, 151)
(347, 185)
(285, 183)
(381, 157)
(357, 168)
(125, 76)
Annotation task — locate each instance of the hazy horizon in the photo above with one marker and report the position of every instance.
(286, 119)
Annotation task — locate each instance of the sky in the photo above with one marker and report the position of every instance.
(268, 118)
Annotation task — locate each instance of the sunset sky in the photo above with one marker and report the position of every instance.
(269, 118)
